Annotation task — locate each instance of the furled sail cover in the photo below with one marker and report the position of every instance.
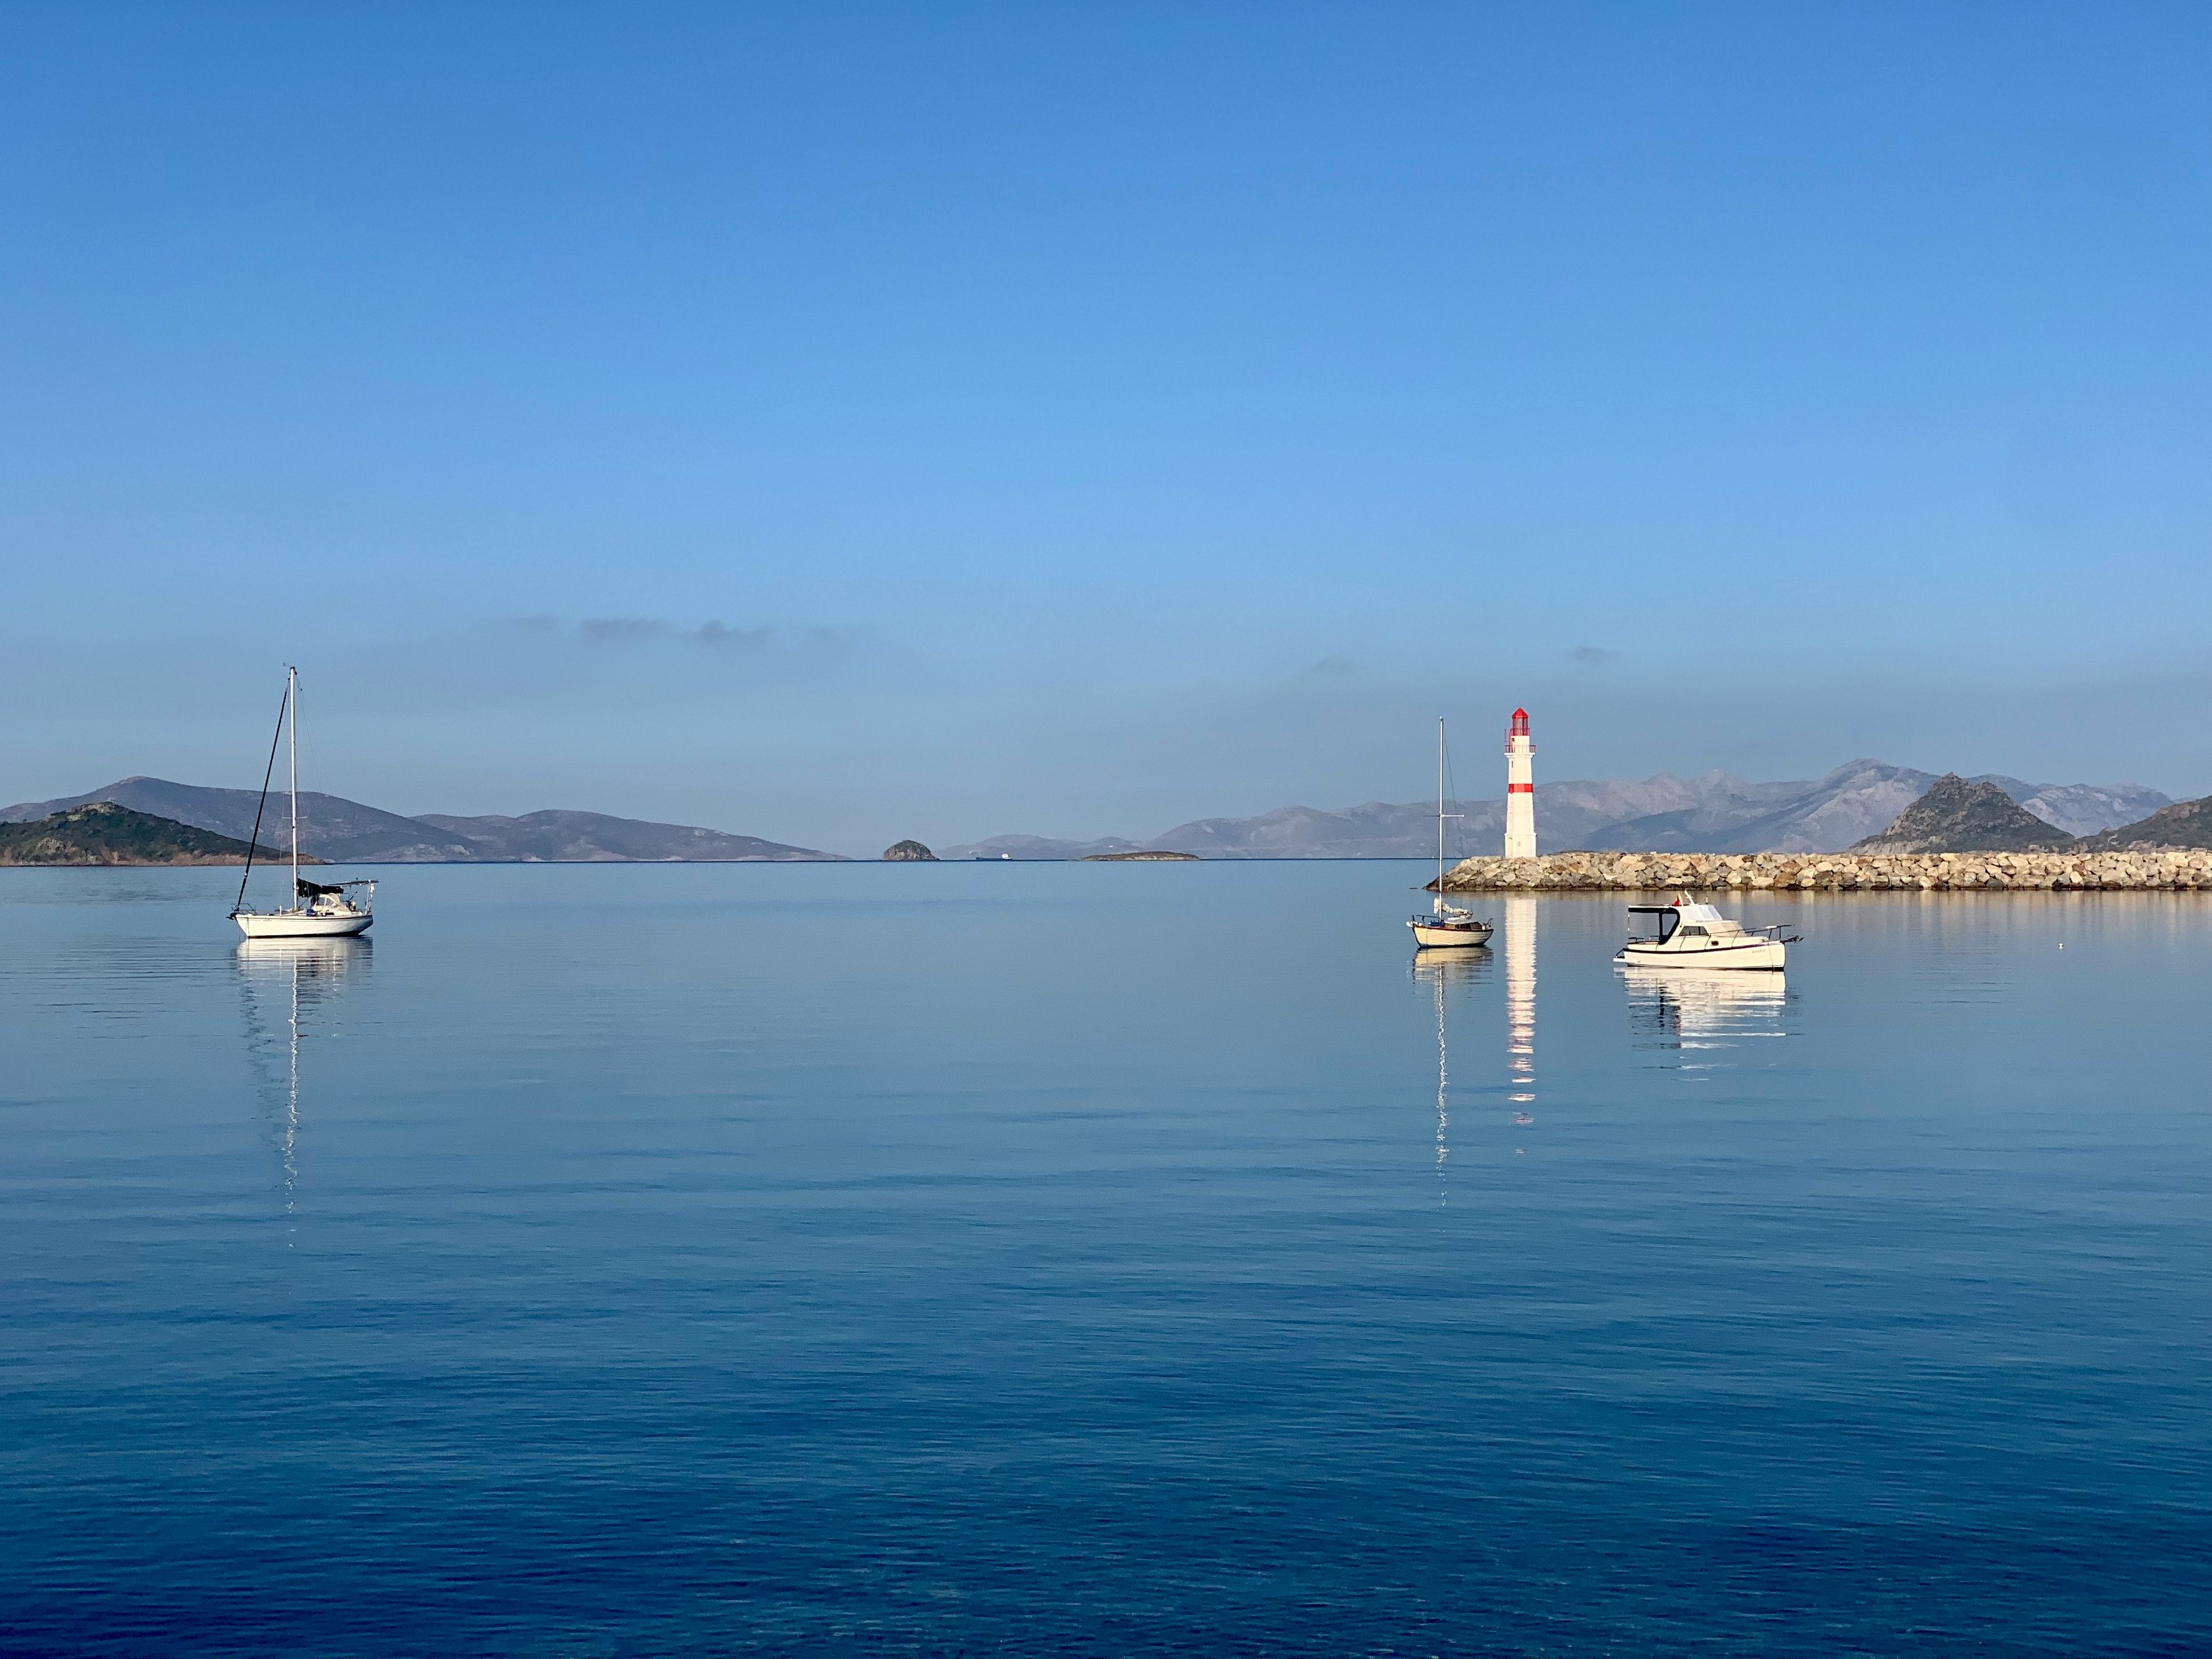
(310, 890)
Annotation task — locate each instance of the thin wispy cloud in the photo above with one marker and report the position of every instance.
(715, 632)
(613, 630)
(1595, 654)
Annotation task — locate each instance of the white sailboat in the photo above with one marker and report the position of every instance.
(1446, 926)
(336, 911)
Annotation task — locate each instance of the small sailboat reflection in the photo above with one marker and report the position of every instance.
(283, 984)
(1443, 970)
(1703, 1008)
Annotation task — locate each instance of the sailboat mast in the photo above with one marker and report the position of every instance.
(1439, 909)
(292, 693)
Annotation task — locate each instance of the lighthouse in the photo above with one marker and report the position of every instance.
(1520, 790)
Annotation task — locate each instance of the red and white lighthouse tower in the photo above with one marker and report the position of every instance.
(1520, 790)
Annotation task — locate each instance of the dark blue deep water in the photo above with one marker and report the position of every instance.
(1077, 1259)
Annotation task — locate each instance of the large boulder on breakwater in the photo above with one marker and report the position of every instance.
(1957, 817)
(908, 851)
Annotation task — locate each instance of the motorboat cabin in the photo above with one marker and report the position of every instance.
(1688, 934)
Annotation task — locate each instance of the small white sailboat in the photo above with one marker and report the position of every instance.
(339, 910)
(1446, 926)
(1695, 935)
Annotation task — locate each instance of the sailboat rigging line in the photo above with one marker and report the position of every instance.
(283, 708)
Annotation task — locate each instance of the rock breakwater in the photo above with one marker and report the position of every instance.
(2142, 870)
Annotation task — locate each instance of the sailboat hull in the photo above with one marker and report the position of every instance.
(284, 924)
(1446, 935)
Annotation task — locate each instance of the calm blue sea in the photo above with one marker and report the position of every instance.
(1095, 1259)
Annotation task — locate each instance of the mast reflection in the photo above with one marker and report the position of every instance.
(283, 984)
(1442, 971)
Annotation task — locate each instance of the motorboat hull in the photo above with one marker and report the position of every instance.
(293, 924)
(1446, 936)
(1755, 955)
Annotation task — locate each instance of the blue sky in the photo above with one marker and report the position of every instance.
(843, 422)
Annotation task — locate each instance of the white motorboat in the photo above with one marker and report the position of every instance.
(337, 910)
(1693, 935)
(1446, 926)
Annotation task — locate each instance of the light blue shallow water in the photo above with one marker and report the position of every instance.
(1028, 1259)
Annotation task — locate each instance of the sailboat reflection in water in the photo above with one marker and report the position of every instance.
(286, 986)
(1450, 969)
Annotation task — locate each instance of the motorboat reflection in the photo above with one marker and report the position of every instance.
(1704, 1007)
(285, 984)
(1441, 970)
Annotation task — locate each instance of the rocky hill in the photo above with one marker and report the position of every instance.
(102, 833)
(1956, 816)
(2185, 823)
(348, 831)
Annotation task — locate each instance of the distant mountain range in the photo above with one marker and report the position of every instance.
(341, 831)
(1715, 813)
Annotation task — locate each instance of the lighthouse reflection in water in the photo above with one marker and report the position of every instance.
(288, 988)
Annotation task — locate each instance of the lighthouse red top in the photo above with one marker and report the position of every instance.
(1520, 723)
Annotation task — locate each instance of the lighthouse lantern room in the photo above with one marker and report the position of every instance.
(1520, 790)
